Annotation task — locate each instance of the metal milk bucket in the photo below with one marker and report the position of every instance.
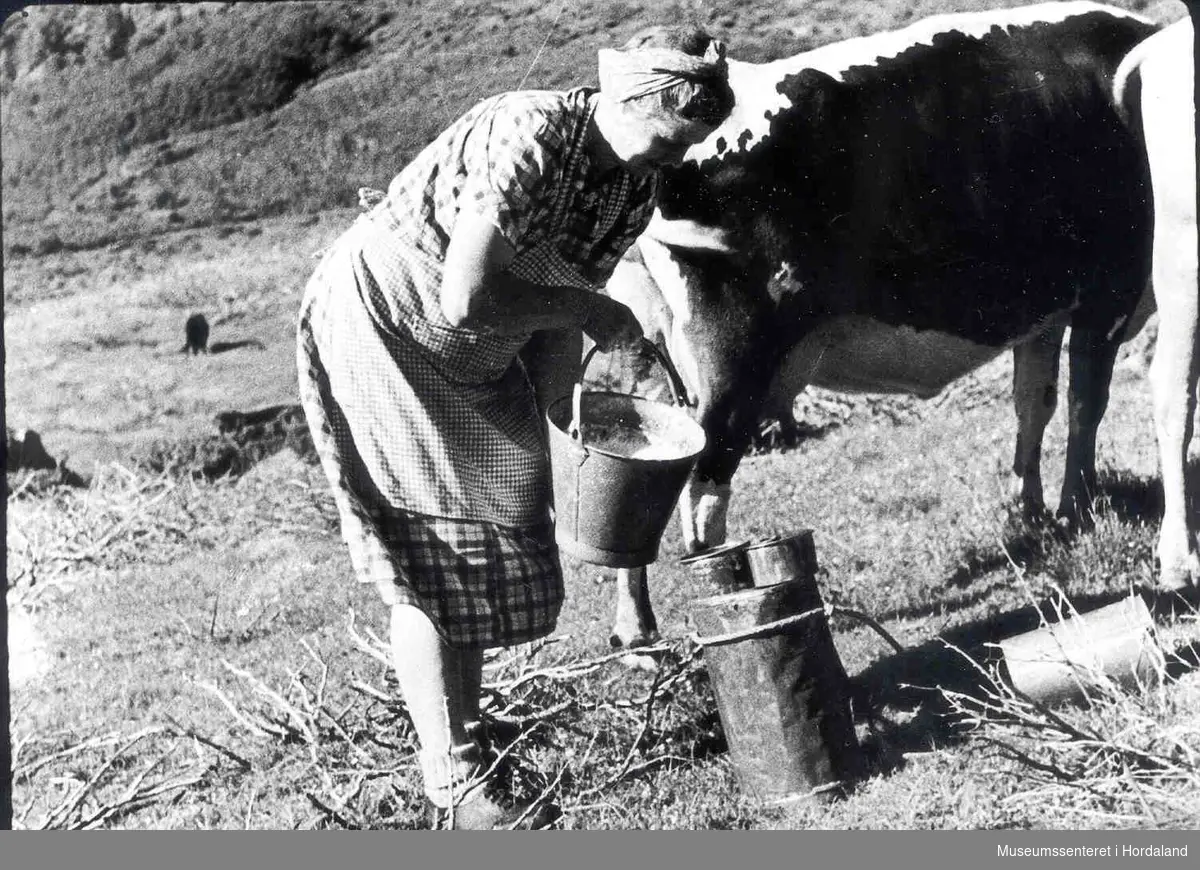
(613, 496)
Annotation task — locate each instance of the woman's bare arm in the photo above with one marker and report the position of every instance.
(479, 293)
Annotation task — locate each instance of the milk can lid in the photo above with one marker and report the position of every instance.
(712, 552)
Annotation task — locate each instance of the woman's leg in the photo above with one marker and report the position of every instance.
(441, 689)
(436, 681)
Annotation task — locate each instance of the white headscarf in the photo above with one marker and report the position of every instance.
(628, 75)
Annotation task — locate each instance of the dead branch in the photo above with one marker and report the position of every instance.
(336, 809)
(301, 726)
(185, 731)
(524, 722)
(27, 770)
(137, 795)
(566, 673)
(99, 544)
(540, 800)
(326, 810)
(58, 817)
(626, 764)
(254, 727)
(375, 649)
(371, 692)
(1029, 761)
(358, 751)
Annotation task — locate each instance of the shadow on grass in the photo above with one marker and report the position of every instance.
(1131, 499)
(775, 435)
(908, 685)
(1183, 660)
(1024, 544)
(912, 682)
(27, 482)
(226, 346)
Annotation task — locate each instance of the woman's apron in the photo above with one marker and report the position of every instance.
(442, 420)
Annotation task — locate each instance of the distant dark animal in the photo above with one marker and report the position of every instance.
(888, 213)
(196, 330)
(24, 450)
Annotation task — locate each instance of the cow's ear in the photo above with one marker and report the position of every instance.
(812, 95)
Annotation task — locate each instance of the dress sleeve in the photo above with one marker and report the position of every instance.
(513, 167)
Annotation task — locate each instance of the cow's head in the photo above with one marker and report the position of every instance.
(722, 341)
(747, 201)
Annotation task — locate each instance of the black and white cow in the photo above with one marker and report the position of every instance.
(891, 212)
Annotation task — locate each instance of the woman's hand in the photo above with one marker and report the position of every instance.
(611, 324)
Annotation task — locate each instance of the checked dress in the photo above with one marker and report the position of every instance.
(429, 433)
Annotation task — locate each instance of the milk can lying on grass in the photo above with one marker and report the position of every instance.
(1063, 662)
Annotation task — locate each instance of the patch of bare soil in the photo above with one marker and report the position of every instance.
(242, 439)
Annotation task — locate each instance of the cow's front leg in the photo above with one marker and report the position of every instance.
(1092, 354)
(703, 510)
(635, 624)
(1035, 395)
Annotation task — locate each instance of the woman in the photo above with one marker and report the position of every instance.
(430, 334)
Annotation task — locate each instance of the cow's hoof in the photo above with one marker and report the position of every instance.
(634, 640)
(1036, 516)
(631, 639)
(1076, 519)
(1179, 575)
(641, 662)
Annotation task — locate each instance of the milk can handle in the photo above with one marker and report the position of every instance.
(678, 389)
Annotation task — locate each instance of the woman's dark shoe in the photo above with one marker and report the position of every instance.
(492, 732)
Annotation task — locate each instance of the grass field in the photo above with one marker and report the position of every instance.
(192, 651)
(203, 614)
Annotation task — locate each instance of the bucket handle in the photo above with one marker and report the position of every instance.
(678, 389)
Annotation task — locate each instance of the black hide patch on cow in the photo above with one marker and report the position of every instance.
(974, 186)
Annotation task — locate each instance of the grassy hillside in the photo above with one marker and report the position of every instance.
(119, 121)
